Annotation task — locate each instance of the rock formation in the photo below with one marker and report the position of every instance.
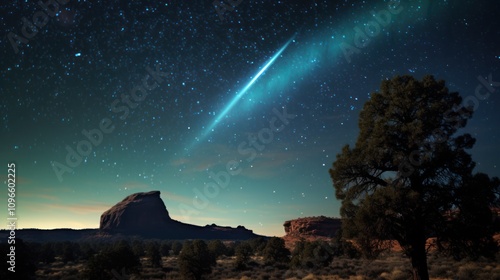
(311, 228)
(139, 211)
(145, 214)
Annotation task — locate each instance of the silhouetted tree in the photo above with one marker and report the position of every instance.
(86, 250)
(70, 251)
(153, 254)
(275, 252)
(407, 167)
(230, 248)
(176, 248)
(243, 252)
(113, 261)
(314, 254)
(297, 253)
(46, 254)
(138, 248)
(258, 244)
(195, 260)
(344, 247)
(470, 230)
(165, 249)
(217, 248)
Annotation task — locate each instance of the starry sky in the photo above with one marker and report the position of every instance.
(234, 110)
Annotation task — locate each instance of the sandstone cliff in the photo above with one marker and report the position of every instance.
(311, 228)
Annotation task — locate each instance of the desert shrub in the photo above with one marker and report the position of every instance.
(86, 251)
(243, 252)
(275, 252)
(396, 274)
(195, 260)
(230, 249)
(439, 271)
(320, 254)
(165, 249)
(216, 248)
(138, 248)
(265, 276)
(258, 244)
(115, 260)
(297, 254)
(176, 248)
(373, 272)
(468, 271)
(70, 251)
(153, 254)
(346, 248)
(312, 254)
(46, 254)
(343, 272)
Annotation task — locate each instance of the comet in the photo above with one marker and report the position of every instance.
(323, 49)
(244, 90)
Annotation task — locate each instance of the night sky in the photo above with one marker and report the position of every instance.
(110, 98)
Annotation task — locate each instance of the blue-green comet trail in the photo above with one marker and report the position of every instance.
(162, 95)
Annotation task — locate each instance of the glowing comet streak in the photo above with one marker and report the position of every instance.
(245, 89)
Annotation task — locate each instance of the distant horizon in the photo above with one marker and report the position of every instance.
(234, 115)
(271, 230)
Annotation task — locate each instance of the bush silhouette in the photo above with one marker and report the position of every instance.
(176, 248)
(87, 251)
(153, 254)
(243, 252)
(275, 252)
(258, 244)
(216, 248)
(165, 249)
(195, 260)
(70, 251)
(46, 254)
(138, 248)
(312, 254)
(113, 260)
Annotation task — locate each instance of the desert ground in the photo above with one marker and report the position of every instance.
(389, 266)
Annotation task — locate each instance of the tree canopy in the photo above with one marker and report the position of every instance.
(409, 169)
(195, 260)
(115, 260)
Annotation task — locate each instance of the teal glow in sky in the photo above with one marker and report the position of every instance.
(225, 82)
(242, 92)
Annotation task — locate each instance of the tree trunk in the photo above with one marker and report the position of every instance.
(418, 257)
